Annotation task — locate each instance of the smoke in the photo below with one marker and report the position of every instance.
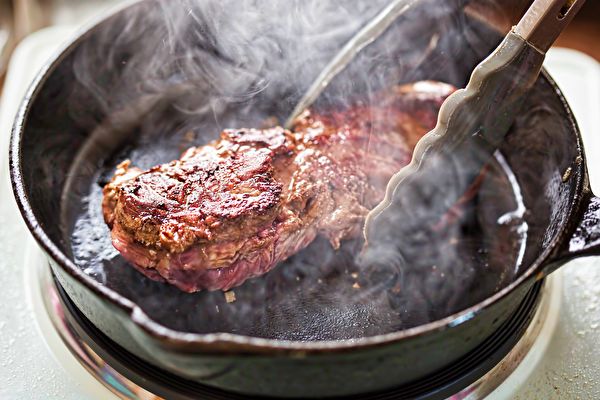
(210, 55)
(165, 75)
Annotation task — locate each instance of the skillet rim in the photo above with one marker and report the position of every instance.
(187, 342)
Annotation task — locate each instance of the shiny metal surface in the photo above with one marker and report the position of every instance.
(543, 321)
(118, 384)
(545, 21)
(367, 35)
(488, 104)
(124, 388)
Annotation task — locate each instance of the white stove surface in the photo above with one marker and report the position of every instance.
(35, 364)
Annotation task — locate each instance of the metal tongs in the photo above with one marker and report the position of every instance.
(472, 122)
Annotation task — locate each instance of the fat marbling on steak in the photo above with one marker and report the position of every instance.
(231, 210)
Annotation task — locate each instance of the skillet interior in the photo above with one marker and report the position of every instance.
(66, 113)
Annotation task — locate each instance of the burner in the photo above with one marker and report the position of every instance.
(474, 376)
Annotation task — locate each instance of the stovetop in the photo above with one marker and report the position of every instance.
(35, 363)
(472, 376)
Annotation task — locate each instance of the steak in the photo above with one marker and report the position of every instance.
(231, 210)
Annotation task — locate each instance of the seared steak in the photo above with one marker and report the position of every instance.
(233, 209)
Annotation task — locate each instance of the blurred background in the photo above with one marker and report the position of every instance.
(18, 18)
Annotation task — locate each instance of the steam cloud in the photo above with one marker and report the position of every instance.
(167, 68)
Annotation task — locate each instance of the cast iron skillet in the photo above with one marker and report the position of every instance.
(60, 113)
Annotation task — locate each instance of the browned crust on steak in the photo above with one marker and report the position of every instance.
(234, 208)
(230, 182)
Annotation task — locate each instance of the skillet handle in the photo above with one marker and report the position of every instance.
(585, 240)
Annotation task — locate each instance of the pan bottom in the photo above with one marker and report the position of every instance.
(132, 377)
